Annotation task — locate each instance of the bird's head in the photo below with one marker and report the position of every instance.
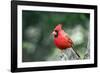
(57, 29)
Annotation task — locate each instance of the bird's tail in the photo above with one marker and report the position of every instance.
(71, 54)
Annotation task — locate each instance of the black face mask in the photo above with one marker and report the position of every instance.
(56, 34)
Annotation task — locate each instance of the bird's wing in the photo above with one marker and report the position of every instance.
(67, 37)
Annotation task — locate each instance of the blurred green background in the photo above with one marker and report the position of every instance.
(37, 43)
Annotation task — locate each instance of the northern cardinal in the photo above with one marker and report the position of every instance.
(64, 42)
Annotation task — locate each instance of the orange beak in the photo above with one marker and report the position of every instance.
(53, 33)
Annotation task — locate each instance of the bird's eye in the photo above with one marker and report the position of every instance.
(56, 31)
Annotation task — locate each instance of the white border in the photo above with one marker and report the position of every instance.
(53, 63)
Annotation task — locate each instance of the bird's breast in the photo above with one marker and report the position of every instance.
(62, 42)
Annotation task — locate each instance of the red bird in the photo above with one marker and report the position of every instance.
(61, 39)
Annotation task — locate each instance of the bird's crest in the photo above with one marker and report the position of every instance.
(58, 27)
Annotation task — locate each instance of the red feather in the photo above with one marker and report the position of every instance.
(61, 39)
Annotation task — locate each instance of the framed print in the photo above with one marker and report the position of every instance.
(51, 36)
